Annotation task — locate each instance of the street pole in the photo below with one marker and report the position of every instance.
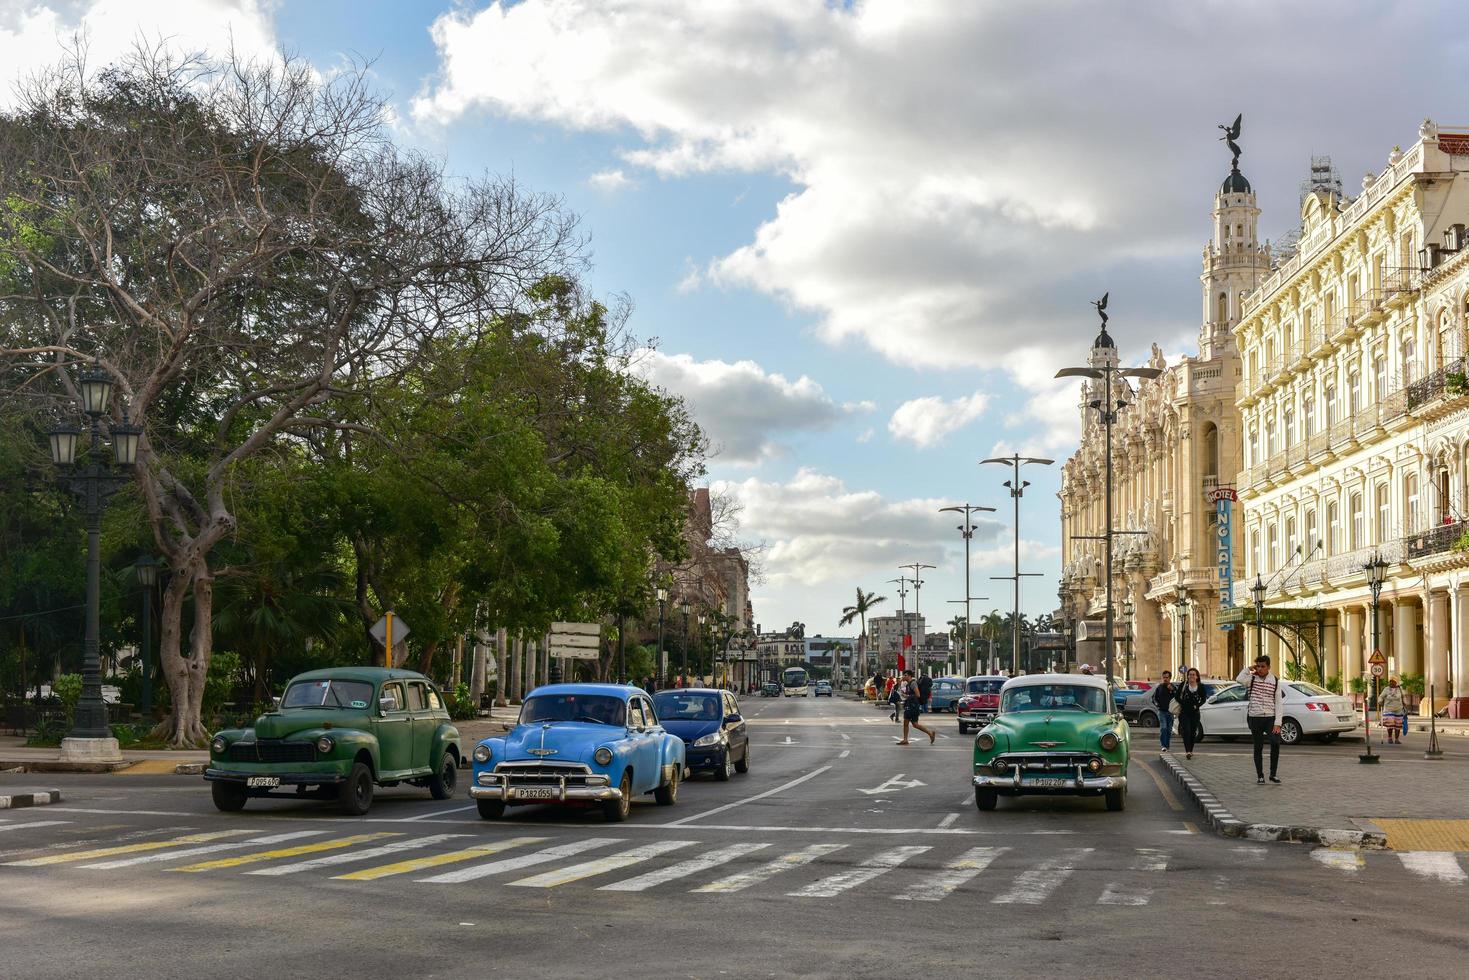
(918, 568)
(1017, 490)
(967, 529)
(661, 669)
(684, 653)
(1181, 604)
(902, 618)
(1258, 592)
(1374, 570)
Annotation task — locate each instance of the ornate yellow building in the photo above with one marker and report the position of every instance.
(1355, 414)
(1175, 444)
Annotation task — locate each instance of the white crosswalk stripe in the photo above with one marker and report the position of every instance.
(158, 856)
(1148, 859)
(32, 824)
(703, 862)
(765, 872)
(954, 874)
(1438, 865)
(524, 861)
(878, 864)
(600, 866)
(348, 857)
(1035, 886)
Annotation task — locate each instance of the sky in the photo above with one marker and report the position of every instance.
(860, 237)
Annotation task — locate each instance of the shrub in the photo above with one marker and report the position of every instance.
(1333, 684)
(460, 703)
(68, 688)
(1412, 683)
(1359, 685)
(49, 731)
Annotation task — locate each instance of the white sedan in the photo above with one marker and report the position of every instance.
(1310, 712)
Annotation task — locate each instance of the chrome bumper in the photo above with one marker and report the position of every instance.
(505, 794)
(1013, 781)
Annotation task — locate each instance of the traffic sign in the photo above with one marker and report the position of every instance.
(379, 631)
(1377, 658)
(576, 641)
(1379, 669)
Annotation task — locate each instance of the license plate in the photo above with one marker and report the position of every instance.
(262, 782)
(535, 793)
(1346, 717)
(1049, 782)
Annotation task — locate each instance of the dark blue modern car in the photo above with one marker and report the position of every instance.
(711, 726)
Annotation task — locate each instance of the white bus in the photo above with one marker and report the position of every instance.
(795, 683)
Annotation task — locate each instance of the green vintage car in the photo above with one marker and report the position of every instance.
(335, 735)
(1056, 734)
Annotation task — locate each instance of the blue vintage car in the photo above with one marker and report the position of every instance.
(579, 744)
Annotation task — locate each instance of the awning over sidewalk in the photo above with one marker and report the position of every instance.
(1301, 629)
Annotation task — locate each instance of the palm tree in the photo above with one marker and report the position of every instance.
(858, 610)
(993, 628)
(958, 632)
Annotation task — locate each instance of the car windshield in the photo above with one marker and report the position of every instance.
(599, 709)
(672, 706)
(1311, 690)
(984, 686)
(1053, 697)
(328, 694)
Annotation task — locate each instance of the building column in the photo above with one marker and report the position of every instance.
(1459, 658)
(1350, 651)
(1437, 660)
(1406, 656)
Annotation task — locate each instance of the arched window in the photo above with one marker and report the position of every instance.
(1211, 449)
(1272, 533)
(1333, 528)
(1354, 392)
(1358, 529)
(1311, 539)
(1308, 415)
(1255, 552)
(1223, 308)
(1384, 514)
(1410, 504)
(1331, 407)
(1408, 354)
(1288, 428)
(1450, 344)
(1290, 538)
(1379, 376)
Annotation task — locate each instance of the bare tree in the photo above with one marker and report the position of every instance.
(241, 247)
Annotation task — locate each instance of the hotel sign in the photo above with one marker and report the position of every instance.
(1223, 498)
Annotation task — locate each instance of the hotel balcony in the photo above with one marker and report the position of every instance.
(1400, 285)
(1440, 393)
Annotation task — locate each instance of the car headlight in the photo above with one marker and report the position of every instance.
(1109, 741)
(1095, 765)
(603, 756)
(325, 744)
(713, 738)
(985, 742)
(1000, 765)
(481, 753)
(218, 745)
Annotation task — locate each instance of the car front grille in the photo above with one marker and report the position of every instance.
(1047, 761)
(543, 773)
(272, 750)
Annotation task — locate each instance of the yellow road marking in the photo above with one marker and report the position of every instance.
(1190, 827)
(284, 852)
(151, 767)
(1168, 796)
(155, 845)
(1425, 835)
(435, 860)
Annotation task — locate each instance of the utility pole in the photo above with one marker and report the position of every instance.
(918, 568)
(902, 583)
(967, 529)
(1017, 490)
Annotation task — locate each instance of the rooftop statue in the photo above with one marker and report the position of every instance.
(1231, 133)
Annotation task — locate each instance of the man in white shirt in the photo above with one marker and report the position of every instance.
(1266, 709)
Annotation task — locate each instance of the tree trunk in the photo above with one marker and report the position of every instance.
(502, 641)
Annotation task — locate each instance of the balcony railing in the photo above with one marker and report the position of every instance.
(1436, 540)
(1341, 433)
(1400, 281)
(1448, 380)
(1319, 443)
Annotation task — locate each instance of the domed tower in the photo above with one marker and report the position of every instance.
(1102, 354)
(1234, 260)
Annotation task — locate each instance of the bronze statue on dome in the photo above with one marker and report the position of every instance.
(1231, 133)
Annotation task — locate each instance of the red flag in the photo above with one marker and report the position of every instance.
(902, 663)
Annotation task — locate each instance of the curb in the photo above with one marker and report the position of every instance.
(1227, 824)
(18, 800)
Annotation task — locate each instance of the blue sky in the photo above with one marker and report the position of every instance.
(864, 235)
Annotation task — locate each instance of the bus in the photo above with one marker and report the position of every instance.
(795, 681)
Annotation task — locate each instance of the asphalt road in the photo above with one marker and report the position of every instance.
(840, 854)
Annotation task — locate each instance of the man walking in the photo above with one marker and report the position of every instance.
(925, 691)
(1266, 708)
(912, 703)
(1162, 698)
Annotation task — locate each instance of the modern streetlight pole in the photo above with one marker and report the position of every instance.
(1107, 411)
(902, 583)
(967, 529)
(1017, 490)
(684, 653)
(918, 568)
(661, 669)
(91, 738)
(147, 571)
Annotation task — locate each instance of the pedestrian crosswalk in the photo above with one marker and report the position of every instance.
(1015, 875)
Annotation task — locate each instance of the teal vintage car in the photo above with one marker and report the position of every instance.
(336, 734)
(1055, 734)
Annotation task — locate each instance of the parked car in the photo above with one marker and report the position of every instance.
(980, 701)
(711, 726)
(1310, 712)
(1122, 691)
(583, 744)
(770, 690)
(1056, 734)
(822, 689)
(946, 694)
(1140, 710)
(338, 733)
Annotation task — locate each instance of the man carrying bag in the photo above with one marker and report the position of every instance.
(1265, 711)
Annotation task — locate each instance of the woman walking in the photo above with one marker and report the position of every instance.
(1191, 696)
(1392, 712)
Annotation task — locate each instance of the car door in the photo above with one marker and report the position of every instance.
(424, 724)
(643, 745)
(394, 729)
(1224, 713)
(735, 731)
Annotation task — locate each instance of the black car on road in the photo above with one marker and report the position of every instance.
(711, 726)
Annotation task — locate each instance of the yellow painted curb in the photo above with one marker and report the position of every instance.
(1425, 835)
(151, 767)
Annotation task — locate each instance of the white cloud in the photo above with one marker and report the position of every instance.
(866, 435)
(927, 420)
(609, 181)
(35, 36)
(744, 410)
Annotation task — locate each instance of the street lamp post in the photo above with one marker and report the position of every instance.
(683, 672)
(1374, 569)
(918, 568)
(147, 571)
(1017, 490)
(967, 529)
(1128, 611)
(91, 738)
(661, 669)
(1257, 592)
(703, 639)
(1107, 410)
(1181, 605)
(902, 583)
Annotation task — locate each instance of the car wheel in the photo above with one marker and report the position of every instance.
(726, 768)
(668, 795)
(1147, 720)
(1290, 731)
(490, 809)
(443, 783)
(228, 797)
(355, 795)
(616, 811)
(743, 765)
(985, 797)
(963, 729)
(1116, 798)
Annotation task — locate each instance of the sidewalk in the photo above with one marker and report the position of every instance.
(1327, 797)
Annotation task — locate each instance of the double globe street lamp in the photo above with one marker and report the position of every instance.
(93, 482)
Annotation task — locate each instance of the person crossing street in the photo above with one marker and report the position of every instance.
(1162, 698)
(912, 709)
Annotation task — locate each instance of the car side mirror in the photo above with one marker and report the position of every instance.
(275, 702)
(732, 719)
(386, 704)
